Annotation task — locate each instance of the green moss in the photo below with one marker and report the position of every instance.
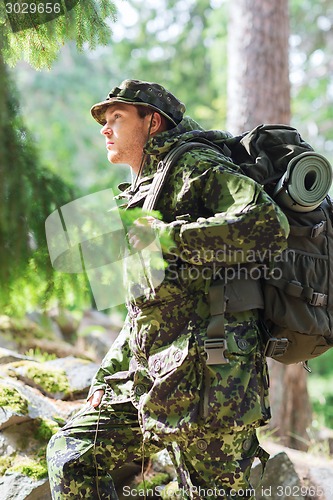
(5, 464)
(12, 399)
(40, 355)
(153, 481)
(55, 381)
(29, 467)
(45, 429)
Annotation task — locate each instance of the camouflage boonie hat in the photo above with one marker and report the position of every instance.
(142, 93)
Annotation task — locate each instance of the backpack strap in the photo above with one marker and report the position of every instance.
(165, 166)
(297, 290)
(309, 231)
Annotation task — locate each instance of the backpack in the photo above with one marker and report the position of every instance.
(295, 300)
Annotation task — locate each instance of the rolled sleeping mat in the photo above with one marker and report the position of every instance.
(305, 183)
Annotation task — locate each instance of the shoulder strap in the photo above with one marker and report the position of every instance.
(165, 166)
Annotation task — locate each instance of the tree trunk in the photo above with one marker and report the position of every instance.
(258, 69)
(259, 92)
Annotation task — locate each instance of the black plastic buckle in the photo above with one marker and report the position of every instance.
(276, 347)
(318, 229)
(318, 299)
(215, 349)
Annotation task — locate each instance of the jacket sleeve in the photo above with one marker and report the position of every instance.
(245, 225)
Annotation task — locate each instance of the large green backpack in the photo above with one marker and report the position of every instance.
(297, 314)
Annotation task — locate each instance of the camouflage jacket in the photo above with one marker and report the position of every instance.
(218, 219)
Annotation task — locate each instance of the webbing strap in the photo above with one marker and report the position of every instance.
(165, 166)
(216, 345)
(296, 289)
(309, 231)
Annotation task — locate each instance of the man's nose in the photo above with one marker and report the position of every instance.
(106, 130)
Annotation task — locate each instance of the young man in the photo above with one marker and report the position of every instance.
(160, 385)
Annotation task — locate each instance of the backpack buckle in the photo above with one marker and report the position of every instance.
(318, 229)
(276, 347)
(215, 349)
(318, 299)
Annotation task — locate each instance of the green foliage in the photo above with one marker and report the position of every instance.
(184, 44)
(321, 396)
(28, 194)
(39, 355)
(320, 384)
(11, 399)
(31, 468)
(5, 464)
(49, 381)
(39, 45)
(311, 71)
(154, 482)
(45, 429)
(30, 454)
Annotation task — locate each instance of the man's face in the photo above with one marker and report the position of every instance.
(125, 134)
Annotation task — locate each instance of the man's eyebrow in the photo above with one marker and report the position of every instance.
(115, 109)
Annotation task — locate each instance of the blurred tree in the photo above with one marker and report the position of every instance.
(29, 192)
(312, 71)
(37, 35)
(259, 92)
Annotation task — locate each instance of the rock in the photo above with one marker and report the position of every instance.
(33, 404)
(52, 383)
(293, 474)
(79, 373)
(64, 378)
(8, 356)
(97, 341)
(279, 479)
(161, 462)
(7, 342)
(60, 348)
(19, 487)
(9, 418)
(67, 323)
(97, 318)
(46, 324)
(14, 406)
(321, 483)
(97, 332)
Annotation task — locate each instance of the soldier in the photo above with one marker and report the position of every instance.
(161, 386)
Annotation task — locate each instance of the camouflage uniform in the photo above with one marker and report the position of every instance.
(159, 390)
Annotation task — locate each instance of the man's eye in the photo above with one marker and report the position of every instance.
(117, 115)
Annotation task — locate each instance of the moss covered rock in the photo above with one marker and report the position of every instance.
(53, 383)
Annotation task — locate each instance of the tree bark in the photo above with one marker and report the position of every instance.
(259, 92)
(258, 66)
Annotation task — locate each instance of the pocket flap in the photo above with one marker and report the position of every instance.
(169, 358)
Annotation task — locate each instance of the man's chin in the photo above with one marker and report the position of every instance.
(113, 158)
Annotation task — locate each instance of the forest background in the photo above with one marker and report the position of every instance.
(182, 45)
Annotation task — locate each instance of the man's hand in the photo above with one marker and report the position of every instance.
(96, 398)
(141, 234)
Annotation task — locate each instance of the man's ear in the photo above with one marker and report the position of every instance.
(156, 123)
